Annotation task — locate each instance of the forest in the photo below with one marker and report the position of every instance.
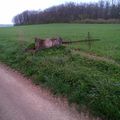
(98, 12)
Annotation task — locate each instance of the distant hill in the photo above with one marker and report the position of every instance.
(6, 25)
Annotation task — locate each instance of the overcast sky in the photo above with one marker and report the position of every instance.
(10, 8)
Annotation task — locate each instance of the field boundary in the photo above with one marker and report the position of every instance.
(95, 57)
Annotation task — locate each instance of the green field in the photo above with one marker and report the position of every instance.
(91, 84)
(109, 35)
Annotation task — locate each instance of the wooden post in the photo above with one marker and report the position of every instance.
(89, 41)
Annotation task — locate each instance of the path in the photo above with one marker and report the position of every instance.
(21, 100)
(95, 57)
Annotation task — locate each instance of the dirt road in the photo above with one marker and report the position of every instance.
(20, 100)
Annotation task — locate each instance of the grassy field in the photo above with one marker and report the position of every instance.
(91, 84)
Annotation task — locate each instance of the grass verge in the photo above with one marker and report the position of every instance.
(89, 83)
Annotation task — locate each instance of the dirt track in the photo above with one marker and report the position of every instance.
(20, 100)
(96, 57)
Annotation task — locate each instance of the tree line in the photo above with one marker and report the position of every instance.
(70, 13)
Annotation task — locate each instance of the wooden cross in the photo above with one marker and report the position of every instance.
(89, 40)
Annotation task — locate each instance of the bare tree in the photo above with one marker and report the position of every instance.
(71, 12)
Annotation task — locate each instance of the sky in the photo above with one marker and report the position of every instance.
(10, 8)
